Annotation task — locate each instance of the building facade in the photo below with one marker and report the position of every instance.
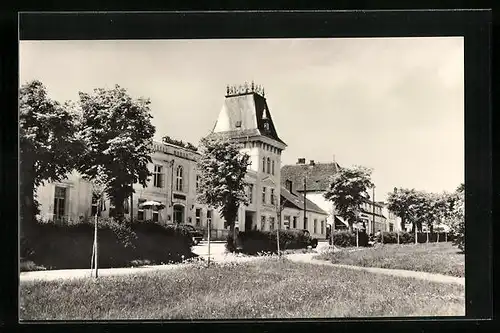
(314, 179)
(244, 118)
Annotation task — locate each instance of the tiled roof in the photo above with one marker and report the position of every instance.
(318, 178)
(297, 201)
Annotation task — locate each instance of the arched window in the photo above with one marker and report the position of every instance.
(268, 165)
(263, 164)
(272, 169)
(179, 180)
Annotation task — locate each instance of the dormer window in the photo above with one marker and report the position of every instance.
(266, 126)
(238, 124)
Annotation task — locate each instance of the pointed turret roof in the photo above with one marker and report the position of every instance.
(245, 114)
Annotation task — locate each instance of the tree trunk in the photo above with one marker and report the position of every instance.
(27, 192)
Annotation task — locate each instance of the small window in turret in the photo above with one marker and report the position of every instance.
(266, 126)
(238, 124)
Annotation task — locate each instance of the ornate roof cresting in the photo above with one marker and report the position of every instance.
(233, 90)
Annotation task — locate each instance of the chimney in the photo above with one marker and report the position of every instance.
(301, 161)
(311, 162)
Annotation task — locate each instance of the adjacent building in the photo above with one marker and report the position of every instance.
(313, 179)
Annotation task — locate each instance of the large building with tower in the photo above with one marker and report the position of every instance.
(244, 118)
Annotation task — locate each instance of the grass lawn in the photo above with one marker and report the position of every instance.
(442, 258)
(268, 288)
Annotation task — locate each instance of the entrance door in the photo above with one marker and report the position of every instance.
(178, 214)
(248, 220)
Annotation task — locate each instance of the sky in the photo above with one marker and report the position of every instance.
(392, 104)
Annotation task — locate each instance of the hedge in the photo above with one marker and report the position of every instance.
(345, 238)
(409, 237)
(70, 246)
(255, 241)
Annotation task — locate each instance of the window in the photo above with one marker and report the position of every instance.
(94, 205)
(268, 165)
(305, 223)
(271, 223)
(250, 193)
(272, 168)
(272, 196)
(155, 216)
(262, 223)
(178, 183)
(263, 195)
(59, 202)
(158, 176)
(209, 217)
(197, 182)
(322, 226)
(315, 226)
(263, 164)
(140, 211)
(198, 217)
(391, 227)
(295, 222)
(287, 221)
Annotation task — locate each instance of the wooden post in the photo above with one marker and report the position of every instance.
(357, 238)
(415, 227)
(278, 238)
(96, 247)
(445, 236)
(397, 233)
(332, 227)
(93, 256)
(209, 222)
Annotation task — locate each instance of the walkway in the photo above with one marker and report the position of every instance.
(217, 254)
(307, 258)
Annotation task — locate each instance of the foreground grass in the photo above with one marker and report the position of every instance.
(440, 258)
(265, 289)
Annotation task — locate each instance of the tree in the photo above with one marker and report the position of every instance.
(348, 190)
(222, 176)
(458, 217)
(402, 202)
(49, 143)
(118, 133)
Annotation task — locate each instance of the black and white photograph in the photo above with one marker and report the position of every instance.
(242, 178)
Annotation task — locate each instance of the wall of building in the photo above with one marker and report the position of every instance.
(321, 202)
(77, 204)
(311, 217)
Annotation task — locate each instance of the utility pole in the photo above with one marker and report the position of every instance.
(373, 208)
(305, 218)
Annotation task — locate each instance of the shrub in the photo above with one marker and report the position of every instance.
(256, 241)
(346, 238)
(70, 246)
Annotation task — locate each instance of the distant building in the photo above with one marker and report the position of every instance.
(293, 213)
(317, 182)
(393, 221)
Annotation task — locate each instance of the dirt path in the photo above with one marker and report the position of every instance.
(308, 258)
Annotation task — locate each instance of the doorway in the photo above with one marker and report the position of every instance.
(178, 214)
(249, 216)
